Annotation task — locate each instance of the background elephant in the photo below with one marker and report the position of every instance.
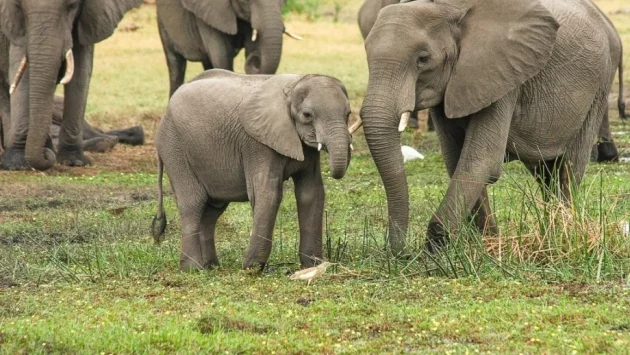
(52, 41)
(214, 31)
(368, 12)
(533, 80)
(228, 137)
(94, 139)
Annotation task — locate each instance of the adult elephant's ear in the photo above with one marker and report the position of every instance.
(217, 13)
(503, 44)
(99, 18)
(266, 115)
(12, 22)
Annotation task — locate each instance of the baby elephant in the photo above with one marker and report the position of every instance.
(228, 137)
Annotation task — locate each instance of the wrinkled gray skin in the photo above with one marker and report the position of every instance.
(214, 31)
(244, 135)
(368, 12)
(605, 149)
(527, 77)
(44, 30)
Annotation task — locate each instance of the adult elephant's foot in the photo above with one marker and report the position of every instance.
(14, 159)
(72, 157)
(100, 144)
(437, 237)
(254, 265)
(132, 135)
(607, 151)
(187, 264)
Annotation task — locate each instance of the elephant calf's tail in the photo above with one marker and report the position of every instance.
(159, 221)
(621, 100)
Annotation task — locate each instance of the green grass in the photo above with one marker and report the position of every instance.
(79, 272)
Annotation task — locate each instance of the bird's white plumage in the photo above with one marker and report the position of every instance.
(307, 275)
(410, 153)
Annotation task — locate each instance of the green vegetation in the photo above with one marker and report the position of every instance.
(79, 272)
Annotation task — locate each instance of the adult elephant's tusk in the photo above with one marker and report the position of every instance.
(351, 147)
(294, 36)
(18, 75)
(355, 126)
(319, 147)
(254, 35)
(69, 68)
(404, 120)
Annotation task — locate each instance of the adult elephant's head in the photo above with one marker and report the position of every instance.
(48, 30)
(264, 38)
(454, 56)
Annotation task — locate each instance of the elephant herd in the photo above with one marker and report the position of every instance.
(502, 79)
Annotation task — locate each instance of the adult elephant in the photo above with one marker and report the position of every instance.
(52, 41)
(214, 31)
(368, 12)
(527, 77)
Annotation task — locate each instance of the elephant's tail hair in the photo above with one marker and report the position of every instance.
(158, 226)
(621, 100)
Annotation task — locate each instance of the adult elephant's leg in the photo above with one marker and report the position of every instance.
(70, 149)
(175, 62)
(480, 163)
(217, 46)
(452, 134)
(606, 148)
(14, 156)
(209, 219)
(309, 195)
(5, 113)
(577, 156)
(483, 217)
(265, 195)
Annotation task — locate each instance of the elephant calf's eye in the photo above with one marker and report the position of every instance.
(308, 115)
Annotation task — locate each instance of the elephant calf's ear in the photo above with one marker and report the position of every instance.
(265, 115)
(503, 44)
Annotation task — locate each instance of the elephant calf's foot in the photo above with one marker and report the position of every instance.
(72, 157)
(437, 237)
(100, 144)
(132, 136)
(14, 159)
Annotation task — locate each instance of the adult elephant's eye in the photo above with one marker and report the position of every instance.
(423, 59)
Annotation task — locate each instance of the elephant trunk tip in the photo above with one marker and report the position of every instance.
(42, 160)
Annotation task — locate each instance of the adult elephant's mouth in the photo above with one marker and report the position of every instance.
(66, 69)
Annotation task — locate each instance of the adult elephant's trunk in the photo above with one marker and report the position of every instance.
(267, 21)
(44, 52)
(388, 97)
(338, 146)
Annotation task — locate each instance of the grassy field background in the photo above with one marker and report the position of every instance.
(79, 272)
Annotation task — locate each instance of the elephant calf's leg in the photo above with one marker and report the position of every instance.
(309, 194)
(265, 202)
(208, 224)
